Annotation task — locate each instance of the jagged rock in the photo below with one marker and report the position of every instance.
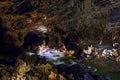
(71, 21)
(52, 76)
(16, 1)
(75, 70)
(70, 16)
(22, 7)
(71, 40)
(79, 73)
(20, 24)
(105, 77)
(87, 76)
(40, 71)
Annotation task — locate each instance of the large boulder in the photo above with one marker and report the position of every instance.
(79, 72)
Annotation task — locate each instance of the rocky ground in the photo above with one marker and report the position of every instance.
(67, 22)
(35, 68)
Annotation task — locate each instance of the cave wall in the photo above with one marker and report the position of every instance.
(84, 19)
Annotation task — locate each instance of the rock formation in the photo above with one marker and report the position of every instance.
(68, 22)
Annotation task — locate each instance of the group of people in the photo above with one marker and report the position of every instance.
(89, 52)
(61, 49)
(94, 52)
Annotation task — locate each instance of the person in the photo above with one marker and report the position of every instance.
(115, 45)
(88, 51)
(62, 48)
